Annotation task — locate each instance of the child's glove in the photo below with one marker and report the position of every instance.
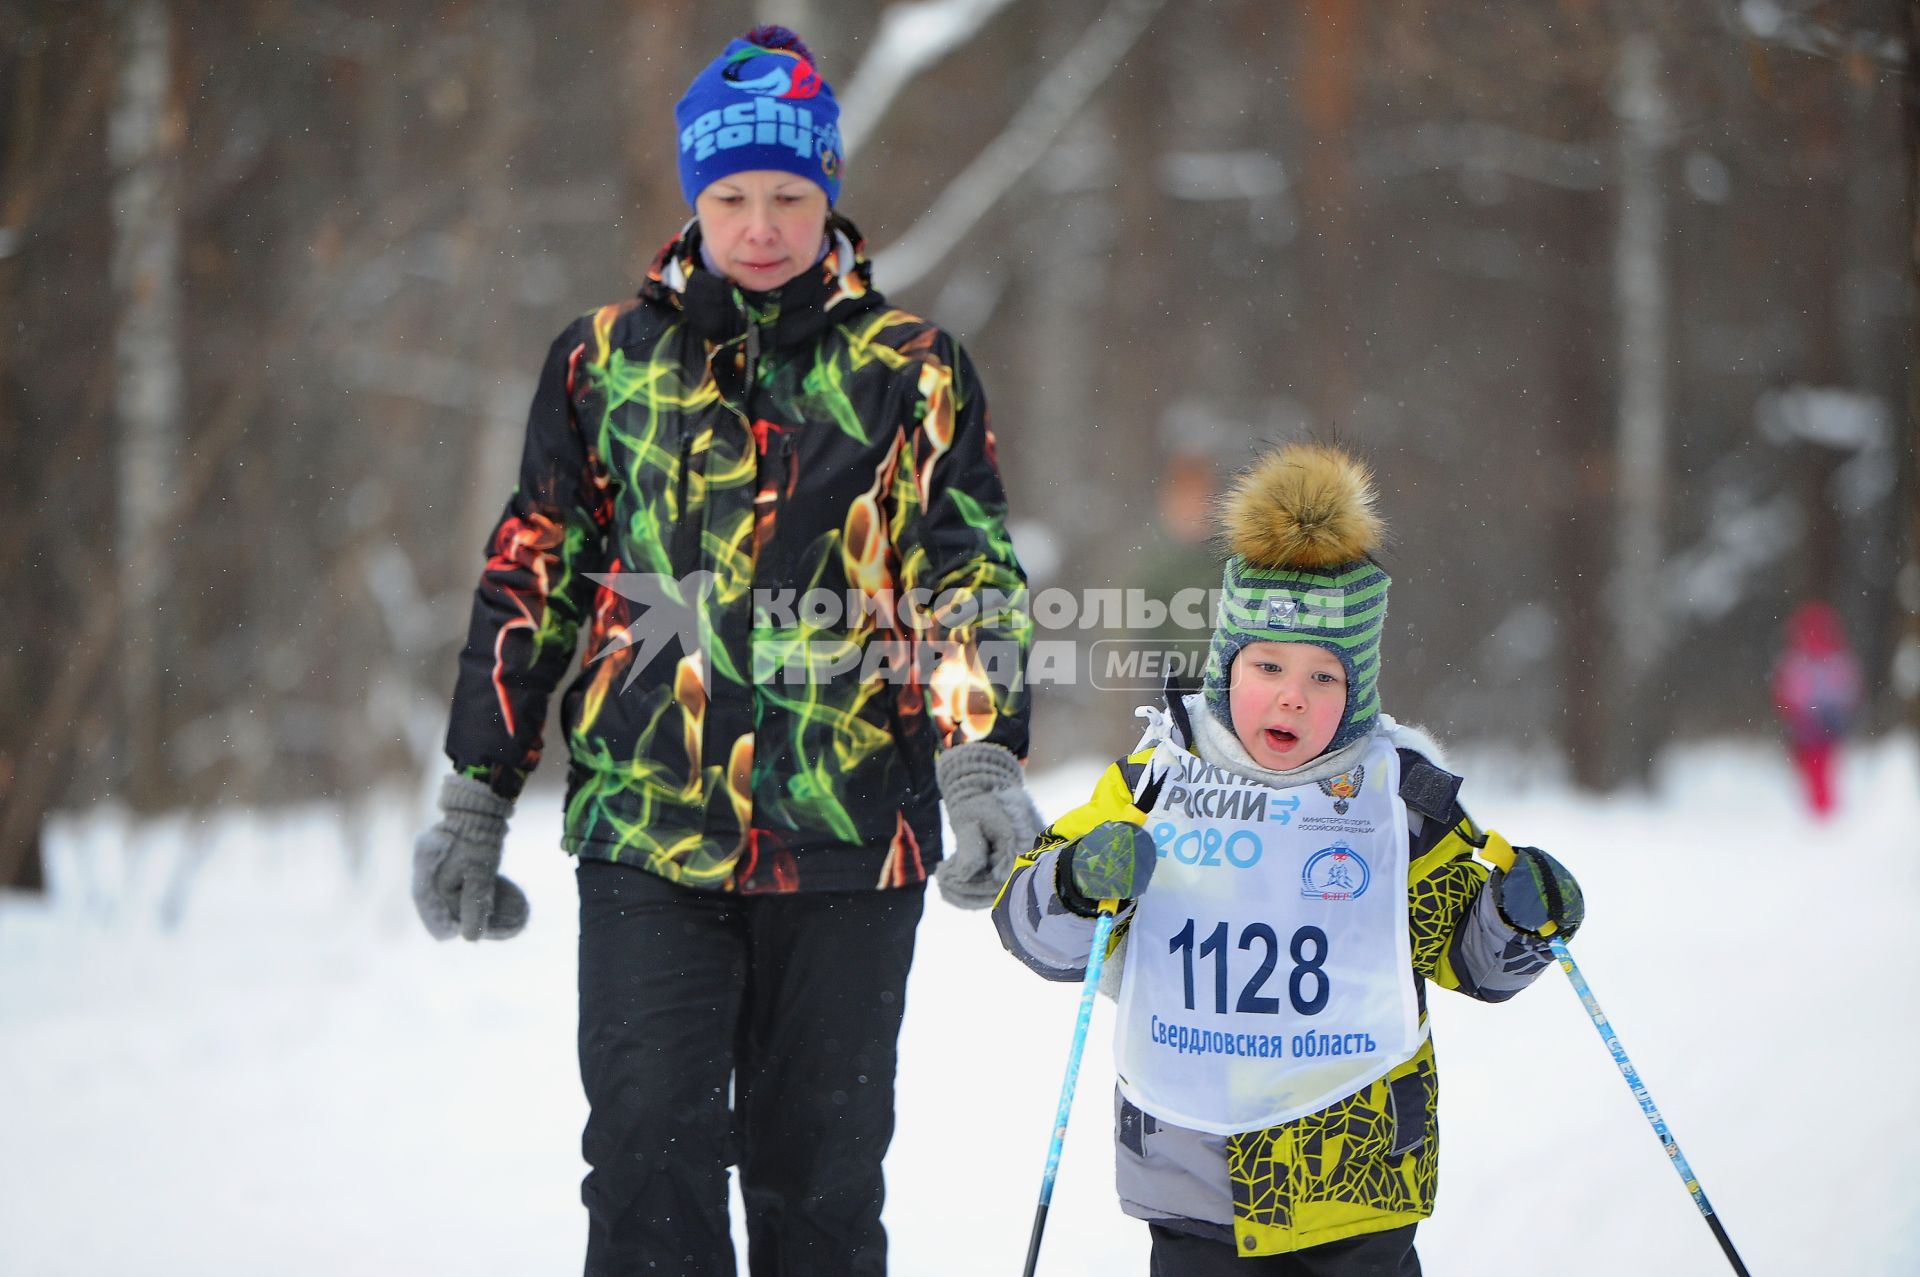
(993, 820)
(1113, 861)
(1538, 896)
(457, 886)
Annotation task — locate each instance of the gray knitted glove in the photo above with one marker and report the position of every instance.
(457, 885)
(993, 820)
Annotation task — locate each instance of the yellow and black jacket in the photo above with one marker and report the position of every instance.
(1366, 1163)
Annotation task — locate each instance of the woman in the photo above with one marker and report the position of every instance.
(737, 481)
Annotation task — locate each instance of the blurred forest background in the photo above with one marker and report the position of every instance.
(1616, 295)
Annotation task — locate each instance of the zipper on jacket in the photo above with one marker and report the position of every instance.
(686, 464)
(686, 531)
(783, 468)
(753, 365)
(775, 467)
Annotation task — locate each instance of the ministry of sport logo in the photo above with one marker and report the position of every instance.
(1343, 788)
(1335, 873)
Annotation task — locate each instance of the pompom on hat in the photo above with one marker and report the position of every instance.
(1302, 529)
(760, 105)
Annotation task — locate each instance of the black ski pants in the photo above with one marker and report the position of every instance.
(1388, 1254)
(795, 1000)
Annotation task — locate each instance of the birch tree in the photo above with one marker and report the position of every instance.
(144, 139)
(1906, 661)
(1637, 613)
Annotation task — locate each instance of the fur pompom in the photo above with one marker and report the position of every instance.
(769, 36)
(1302, 506)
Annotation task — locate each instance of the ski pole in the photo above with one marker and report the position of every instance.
(1679, 1160)
(1096, 958)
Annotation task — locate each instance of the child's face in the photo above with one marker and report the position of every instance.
(1287, 700)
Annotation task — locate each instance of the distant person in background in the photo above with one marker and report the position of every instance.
(1816, 688)
(755, 820)
(1179, 558)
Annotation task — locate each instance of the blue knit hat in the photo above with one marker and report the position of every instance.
(1303, 531)
(759, 105)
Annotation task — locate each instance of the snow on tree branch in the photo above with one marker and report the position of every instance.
(1481, 146)
(911, 38)
(1784, 23)
(1056, 100)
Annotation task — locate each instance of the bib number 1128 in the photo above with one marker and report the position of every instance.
(1308, 948)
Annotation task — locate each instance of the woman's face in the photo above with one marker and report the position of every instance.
(763, 227)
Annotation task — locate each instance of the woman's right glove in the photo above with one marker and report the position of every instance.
(457, 886)
(1113, 861)
(1538, 896)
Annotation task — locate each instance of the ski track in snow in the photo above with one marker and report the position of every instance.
(293, 1079)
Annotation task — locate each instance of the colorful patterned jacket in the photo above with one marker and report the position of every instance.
(697, 461)
(1364, 1164)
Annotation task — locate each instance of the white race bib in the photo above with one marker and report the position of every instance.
(1269, 971)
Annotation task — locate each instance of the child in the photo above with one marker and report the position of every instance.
(1311, 871)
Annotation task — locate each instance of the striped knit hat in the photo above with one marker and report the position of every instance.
(1302, 529)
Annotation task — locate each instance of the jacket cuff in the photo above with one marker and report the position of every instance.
(463, 795)
(977, 767)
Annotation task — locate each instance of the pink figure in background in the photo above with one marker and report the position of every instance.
(1816, 688)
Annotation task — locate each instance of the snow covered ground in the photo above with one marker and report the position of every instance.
(222, 1052)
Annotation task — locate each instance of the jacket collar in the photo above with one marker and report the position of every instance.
(718, 309)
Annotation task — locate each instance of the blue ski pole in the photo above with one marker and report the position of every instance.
(1679, 1160)
(1096, 958)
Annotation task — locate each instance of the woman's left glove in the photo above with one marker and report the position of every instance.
(1537, 895)
(457, 885)
(993, 820)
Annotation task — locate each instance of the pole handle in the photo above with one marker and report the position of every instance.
(1497, 851)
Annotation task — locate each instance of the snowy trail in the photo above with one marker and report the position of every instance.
(295, 1082)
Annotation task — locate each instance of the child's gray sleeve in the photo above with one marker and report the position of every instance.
(1460, 939)
(1491, 959)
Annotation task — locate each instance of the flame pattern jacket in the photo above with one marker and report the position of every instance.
(780, 519)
